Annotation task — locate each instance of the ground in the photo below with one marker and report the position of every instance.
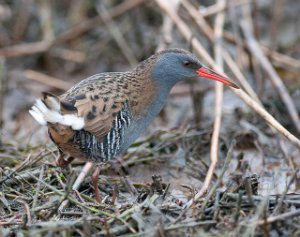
(254, 190)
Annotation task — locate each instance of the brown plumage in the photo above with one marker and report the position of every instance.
(101, 116)
(98, 100)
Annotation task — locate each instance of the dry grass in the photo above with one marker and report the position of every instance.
(236, 176)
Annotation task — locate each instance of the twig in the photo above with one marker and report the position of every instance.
(293, 198)
(47, 205)
(286, 215)
(128, 212)
(190, 203)
(240, 76)
(25, 49)
(175, 227)
(283, 92)
(47, 80)
(218, 106)
(239, 60)
(220, 178)
(85, 170)
(18, 177)
(216, 185)
(73, 200)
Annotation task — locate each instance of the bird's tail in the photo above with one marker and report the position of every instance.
(47, 110)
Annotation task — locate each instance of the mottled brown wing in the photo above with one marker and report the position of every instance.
(98, 112)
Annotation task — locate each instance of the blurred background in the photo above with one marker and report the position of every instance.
(51, 45)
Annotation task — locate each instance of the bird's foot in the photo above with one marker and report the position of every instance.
(63, 161)
(95, 180)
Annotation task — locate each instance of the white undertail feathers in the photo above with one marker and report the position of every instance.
(43, 114)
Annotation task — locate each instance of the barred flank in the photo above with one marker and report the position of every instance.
(102, 151)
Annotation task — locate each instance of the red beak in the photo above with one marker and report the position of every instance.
(210, 74)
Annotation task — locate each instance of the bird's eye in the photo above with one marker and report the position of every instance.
(187, 63)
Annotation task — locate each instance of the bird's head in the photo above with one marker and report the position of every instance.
(174, 65)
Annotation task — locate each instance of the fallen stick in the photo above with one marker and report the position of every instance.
(286, 216)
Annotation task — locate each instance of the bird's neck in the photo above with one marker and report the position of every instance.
(146, 102)
(148, 95)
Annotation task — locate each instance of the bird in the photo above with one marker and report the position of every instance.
(100, 117)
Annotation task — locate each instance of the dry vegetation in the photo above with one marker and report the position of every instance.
(169, 183)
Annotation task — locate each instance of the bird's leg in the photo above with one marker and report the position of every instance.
(63, 160)
(95, 179)
(85, 170)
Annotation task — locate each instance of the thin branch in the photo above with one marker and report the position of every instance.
(84, 172)
(287, 215)
(219, 24)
